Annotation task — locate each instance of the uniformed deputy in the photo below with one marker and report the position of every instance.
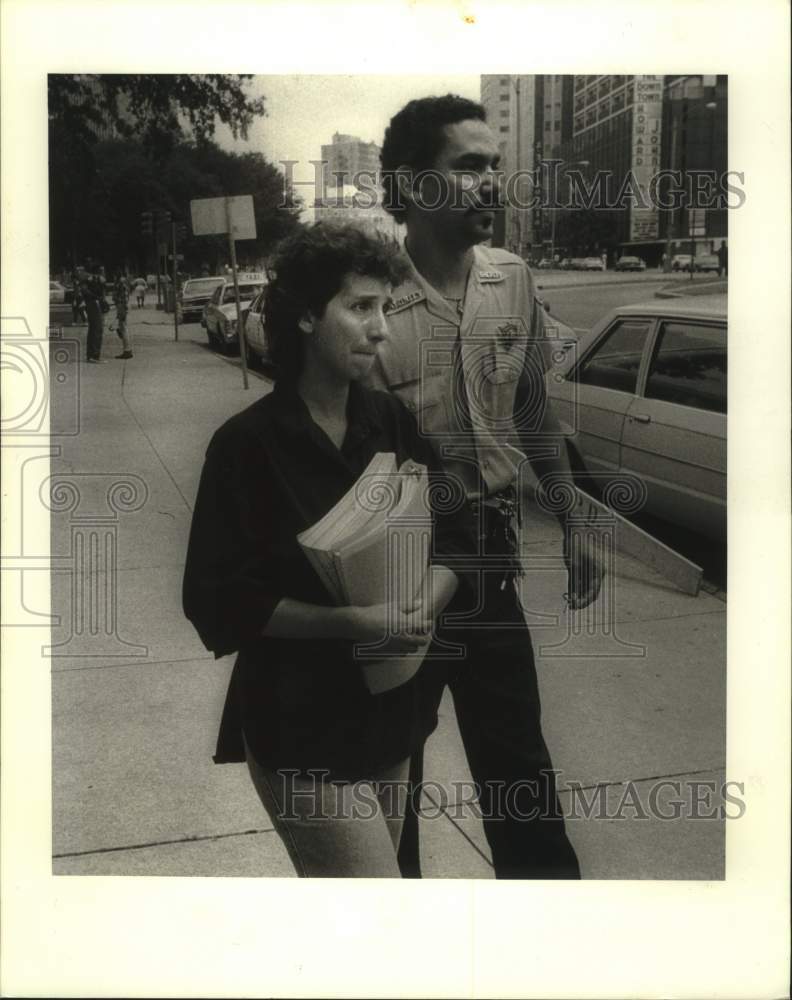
(464, 354)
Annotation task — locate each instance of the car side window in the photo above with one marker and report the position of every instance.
(689, 366)
(217, 293)
(228, 295)
(615, 362)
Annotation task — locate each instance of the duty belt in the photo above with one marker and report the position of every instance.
(498, 517)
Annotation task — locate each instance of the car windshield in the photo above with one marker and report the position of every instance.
(246, 293)
(201, 286)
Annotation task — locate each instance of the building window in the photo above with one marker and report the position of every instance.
(504, 97)
(504, 113)
(504, 81)
(504, 128)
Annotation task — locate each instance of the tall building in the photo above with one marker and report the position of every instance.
(614, 130)
(496, 98)
(348, 204)
(635, 126)
(346, 157)
(510, 104)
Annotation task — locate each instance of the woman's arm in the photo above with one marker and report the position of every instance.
(405, 628)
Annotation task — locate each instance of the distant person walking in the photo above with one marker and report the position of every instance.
(95, 308)
(78, 301)
(723, 260)
(121, 301)
(140, 292)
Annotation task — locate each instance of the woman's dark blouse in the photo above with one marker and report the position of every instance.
(271, 472)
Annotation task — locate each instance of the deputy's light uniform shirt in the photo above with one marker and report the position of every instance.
(463, 369)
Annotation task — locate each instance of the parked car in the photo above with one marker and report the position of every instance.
(195, 294)
(220, 316)
(576, 263)
(630, 264)
(546, 264)
(680, 262)
(592, 264)
(644, 394)
(706, 262)
(255, 336)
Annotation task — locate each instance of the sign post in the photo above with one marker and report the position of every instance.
(234, 216)
(240, 330)
(697, 227)
(175, 285)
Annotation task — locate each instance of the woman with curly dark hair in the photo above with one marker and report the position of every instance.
(328, 758)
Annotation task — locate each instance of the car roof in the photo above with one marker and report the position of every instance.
(706, 306)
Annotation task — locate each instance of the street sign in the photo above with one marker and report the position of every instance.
(209, 216)
(235, 217)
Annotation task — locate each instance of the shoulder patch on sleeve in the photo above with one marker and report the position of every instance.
(405, 301)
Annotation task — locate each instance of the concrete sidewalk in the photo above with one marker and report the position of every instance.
(633, 691)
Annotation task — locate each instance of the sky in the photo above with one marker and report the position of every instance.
(304, 111)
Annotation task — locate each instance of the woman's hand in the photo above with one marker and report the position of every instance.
(406, 628)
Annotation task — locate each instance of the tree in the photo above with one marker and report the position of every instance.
(150, 107)
(124, 144)
(101, 217)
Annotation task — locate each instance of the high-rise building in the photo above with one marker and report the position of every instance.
(510, 103)
(616, 131)
(350, 205)
(346, 157)
(497, 94)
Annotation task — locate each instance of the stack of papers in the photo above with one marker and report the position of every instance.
(373, 547)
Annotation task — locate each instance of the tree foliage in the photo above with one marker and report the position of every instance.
(153, 108)
(121, 145)
(99, 214)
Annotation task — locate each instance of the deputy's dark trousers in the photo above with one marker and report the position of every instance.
(496, 697)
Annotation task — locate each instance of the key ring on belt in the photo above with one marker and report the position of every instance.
(497, 514)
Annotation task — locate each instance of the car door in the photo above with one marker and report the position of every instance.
(675, 431)
(212, 310)
(600, 390)
(254, 331)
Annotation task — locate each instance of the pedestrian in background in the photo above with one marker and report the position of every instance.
(95, 308)
(140, 292)
(723, 260)
(121, 301)
(78, 300)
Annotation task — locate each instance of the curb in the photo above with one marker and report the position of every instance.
(592, 284)
(689, 291)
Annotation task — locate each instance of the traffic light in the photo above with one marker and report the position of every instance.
(163, 218)
(181, 231)
(146, 223)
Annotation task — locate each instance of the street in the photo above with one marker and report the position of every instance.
(580, 305)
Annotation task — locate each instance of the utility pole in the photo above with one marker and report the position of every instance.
(147, 228)
(175, 283)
